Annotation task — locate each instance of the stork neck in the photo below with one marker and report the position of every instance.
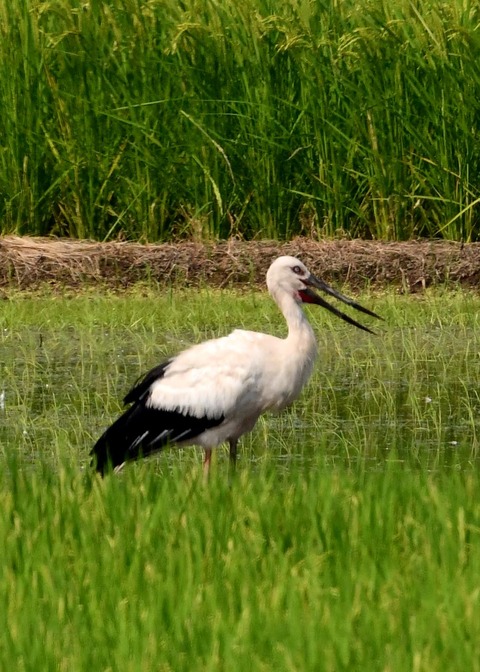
(298, 325)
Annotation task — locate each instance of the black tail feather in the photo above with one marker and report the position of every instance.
(143, 430)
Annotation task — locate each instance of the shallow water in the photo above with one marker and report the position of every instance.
(407, 398)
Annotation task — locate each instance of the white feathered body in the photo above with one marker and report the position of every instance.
(239, 377)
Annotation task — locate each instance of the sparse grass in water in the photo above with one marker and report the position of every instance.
(160, 119)
(349, 539)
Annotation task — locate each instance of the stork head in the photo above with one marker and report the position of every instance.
(288, 275)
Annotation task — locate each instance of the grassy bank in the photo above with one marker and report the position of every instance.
(348, 541)
(159, 119)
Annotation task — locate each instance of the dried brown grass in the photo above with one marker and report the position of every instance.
(28, 263)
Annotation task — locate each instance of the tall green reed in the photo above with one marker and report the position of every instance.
(158, 119)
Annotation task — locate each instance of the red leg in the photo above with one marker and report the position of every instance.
(206, 462)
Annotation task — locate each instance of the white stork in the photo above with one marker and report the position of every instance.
(214, 392)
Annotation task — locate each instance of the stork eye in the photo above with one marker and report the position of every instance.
(297, 270)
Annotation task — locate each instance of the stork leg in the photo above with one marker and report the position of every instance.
(233, 453)
(206, 463)
(233, 460)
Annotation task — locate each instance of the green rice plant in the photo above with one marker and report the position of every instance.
(154, 119)
(316, 569)
(349, 538)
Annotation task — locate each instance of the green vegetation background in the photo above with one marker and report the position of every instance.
(154, 119)
(349, 540)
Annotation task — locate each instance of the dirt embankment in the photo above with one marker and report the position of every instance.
(29, 263)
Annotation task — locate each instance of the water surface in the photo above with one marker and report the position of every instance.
(407, 396)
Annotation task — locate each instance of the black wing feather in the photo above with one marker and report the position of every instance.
(144, 382)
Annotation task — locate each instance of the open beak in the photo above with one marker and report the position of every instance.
(309, 296)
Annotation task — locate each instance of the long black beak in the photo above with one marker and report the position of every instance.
(309, 296)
